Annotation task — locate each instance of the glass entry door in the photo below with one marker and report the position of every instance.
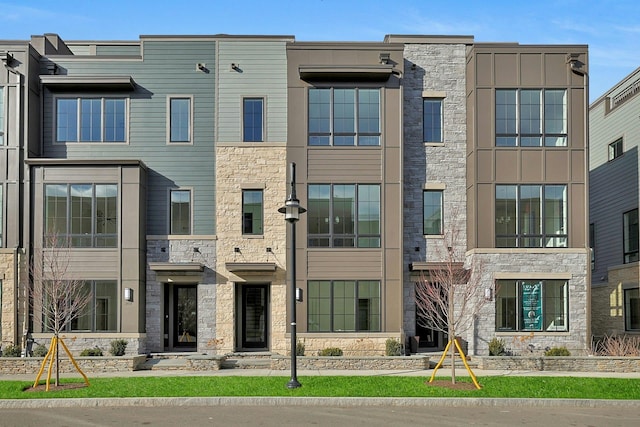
(254, 314)
(185, 315)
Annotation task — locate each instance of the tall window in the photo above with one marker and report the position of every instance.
(592, 244)
(252, 119)
(532, 305)
(91, 119)
(531, 117)
(180, 212)
(252, 212)
(344, 215)
(631, 310)
(344, 117)
(615, 149)
(432, 212)
(85, 215)
(630, 236)
(531, 216)
(432, 120)
(180, 119)
(1, 116)
(343, 306)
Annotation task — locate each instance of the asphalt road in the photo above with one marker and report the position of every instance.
(334, 416)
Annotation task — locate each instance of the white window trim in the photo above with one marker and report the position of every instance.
(168, 119)
(54, 120)
(191, 197)
(264, 118)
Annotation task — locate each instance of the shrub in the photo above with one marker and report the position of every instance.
(392, 347)
(300, 348)
(496, 347)
(91, 352)
(330, 351)
(118, 347)
(557, 351)
(12, 351)
(617, 346)
(41, 350)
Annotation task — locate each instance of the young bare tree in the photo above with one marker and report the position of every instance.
(56, 295)
(449, 296)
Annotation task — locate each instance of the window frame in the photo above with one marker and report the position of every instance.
(520, 237)
(592, 244)
(246, 191)
(630, 254)
(342, 311)
(425, 128)
(440, 219)
(615, 149)
(358, 119)
(631, 317)
(3, 103)
(78, 120)
(189, 121)
(71, 206)
(246, 125)
(359, 238)
(513, 120)
(530, 295)
(171, 211)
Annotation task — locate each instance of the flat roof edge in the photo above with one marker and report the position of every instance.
(428, 39)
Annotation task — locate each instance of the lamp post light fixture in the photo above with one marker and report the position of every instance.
(292, 211)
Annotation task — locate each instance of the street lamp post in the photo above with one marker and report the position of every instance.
(292, 211)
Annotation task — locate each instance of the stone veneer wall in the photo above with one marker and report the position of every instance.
(250, 166)
(435, 68)
(8, 332)
(370, 344)
(533, 264)
(607, 300)
(181, 250)
(568, 364)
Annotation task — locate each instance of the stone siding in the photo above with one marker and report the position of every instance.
(8, 327)
(607, 300)
(567, 364)
(76, 342)
(412, 363)
(351, 345)
(31, 365)
(435, 68)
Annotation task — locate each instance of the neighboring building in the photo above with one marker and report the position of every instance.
(164, 162)
(614, 131)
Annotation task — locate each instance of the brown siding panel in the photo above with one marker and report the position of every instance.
(344, 264)
(351, 165)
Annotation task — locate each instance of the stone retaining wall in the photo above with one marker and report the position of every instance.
(569, 364)
(31, 365)
(353, 363)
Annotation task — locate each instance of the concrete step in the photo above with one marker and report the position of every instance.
(164, 364)
(247, 363)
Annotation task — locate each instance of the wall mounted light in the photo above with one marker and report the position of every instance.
(488, 294)
(128, 294)
(236, 250)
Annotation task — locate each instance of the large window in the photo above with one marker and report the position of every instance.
(432, 120)
(531, 117)
(85, 215)
(630, 236)
(91, 119)
(180, 119)
(252, 119)
(1, 116)
(252, 212)
(632, 309)
(432, 212)
(615, 149)
(344, 215)
(343, 305)
(532, 305)
(344, 117)
(531, 216)
(180, 212)
(101, 314)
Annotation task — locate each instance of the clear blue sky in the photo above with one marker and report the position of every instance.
(611, 28)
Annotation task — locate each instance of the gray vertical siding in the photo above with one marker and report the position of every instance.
(168, 68)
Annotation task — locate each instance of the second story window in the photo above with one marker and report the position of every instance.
(432, 212)
(1, 116)
(432, 120)
(252, 119)
(180, 212)
(91, 119)
(615, 149)
(344, 117)
(531, 117)
(630, 236)
(252, 212)
(180, 119)
(85, 215)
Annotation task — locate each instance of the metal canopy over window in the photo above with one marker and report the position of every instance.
(59, 82)
(364, 73)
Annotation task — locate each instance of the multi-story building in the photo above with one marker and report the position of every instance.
(614, 132)
(163, 163)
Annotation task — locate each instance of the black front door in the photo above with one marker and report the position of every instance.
(185, 316)
(254, 312)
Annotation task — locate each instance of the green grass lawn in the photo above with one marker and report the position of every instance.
(322, 386)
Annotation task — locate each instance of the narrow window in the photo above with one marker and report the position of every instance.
(252, 212)
(180, 212)
(432, 212)
(630, 236)
(1, 116)
(67, 120)
(180, 119)
(252, 119)
(432, 120)
(592, 244)
(615, 149)
(632, 309)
